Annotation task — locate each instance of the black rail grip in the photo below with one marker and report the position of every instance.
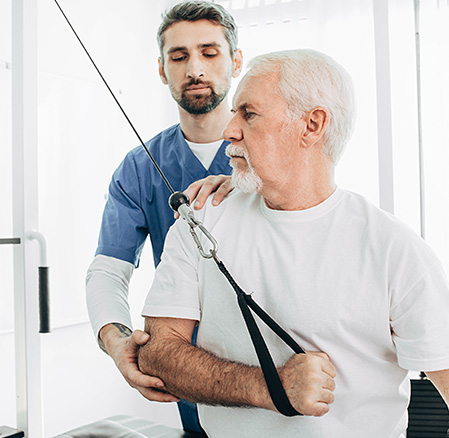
(44, 300)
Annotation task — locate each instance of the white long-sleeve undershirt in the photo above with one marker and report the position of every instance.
(107, 285)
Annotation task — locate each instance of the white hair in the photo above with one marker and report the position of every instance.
(310, 79)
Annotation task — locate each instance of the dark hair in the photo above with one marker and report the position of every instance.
(199, 10)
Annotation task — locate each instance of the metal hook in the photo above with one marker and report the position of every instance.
(187, 214)
(213, 251)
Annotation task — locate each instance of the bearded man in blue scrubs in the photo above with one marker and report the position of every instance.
(198, 59)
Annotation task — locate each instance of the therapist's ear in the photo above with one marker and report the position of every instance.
(161, 72)
(238, 63)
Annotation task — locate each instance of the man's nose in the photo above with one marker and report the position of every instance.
(232, 132)
(195, 68)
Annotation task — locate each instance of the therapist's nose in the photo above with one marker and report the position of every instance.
(195, 67)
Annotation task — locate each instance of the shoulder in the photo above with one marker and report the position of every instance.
(170, 135)
(137, 159)
(218, 220)
(235, 206)
(358, 207)
(387, 234)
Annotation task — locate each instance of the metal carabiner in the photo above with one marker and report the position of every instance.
(180, 205)
(213, 251)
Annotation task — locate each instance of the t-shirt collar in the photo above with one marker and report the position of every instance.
(302, 215)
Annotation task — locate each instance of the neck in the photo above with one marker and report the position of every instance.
(302, 192)
(205, 128)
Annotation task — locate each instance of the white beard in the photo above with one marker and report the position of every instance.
(246, 180)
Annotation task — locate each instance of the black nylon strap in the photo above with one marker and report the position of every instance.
(270, 322)
(272, 379)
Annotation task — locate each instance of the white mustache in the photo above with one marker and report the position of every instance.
(234, 151)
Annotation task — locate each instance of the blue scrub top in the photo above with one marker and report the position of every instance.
(137, 204)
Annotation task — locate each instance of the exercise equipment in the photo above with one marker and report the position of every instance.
(124, 426)
(428, 413)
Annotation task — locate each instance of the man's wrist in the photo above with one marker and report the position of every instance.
(261, 398)
(112, 331)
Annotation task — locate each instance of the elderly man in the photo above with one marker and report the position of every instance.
(357, 289)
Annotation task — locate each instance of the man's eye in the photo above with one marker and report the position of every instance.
(178, 58)
(248, 115)
(210, 54)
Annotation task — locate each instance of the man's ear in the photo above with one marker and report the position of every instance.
(161, 72)
(316, 122)
(238, 63)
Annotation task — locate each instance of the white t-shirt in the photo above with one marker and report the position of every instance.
(343, 277)
(205, 152)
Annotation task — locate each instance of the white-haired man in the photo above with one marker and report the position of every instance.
(358, 290)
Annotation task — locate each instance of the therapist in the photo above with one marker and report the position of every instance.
(198, 59)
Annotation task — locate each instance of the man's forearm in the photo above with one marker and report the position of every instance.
(196, 375)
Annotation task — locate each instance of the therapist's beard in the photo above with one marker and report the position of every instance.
(200, 104)
(246, 180)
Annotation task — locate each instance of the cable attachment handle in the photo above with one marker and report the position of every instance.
(180, 203)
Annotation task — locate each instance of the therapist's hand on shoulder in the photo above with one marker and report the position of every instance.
(124, 351)
(199, 191)
(308, 380)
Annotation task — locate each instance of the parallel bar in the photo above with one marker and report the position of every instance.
(10, 241)
(26, 216)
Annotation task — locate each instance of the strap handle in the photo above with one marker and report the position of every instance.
(272, 379)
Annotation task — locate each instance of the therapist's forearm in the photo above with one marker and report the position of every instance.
(196, 375)
(111, 333)
(107, 283)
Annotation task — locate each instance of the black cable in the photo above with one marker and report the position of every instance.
(118, 103)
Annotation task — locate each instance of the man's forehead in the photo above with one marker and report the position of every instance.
(191, 35)
(249, 91)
